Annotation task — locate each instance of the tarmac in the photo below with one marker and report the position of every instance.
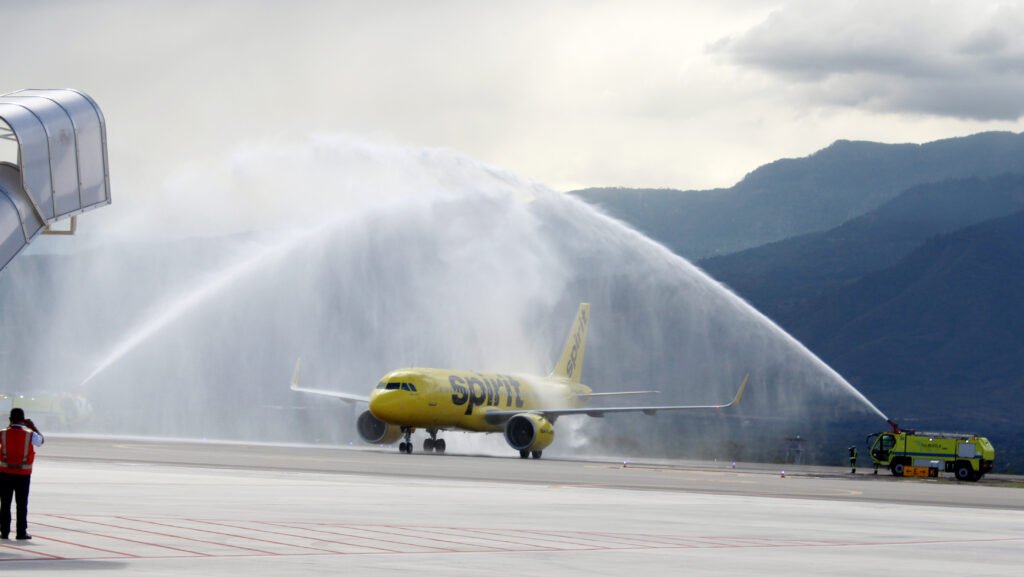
(145, 507)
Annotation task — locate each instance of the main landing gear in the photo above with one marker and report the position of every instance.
(432, 444)
(526, 453)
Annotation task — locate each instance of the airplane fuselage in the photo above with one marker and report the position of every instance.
(451, 399)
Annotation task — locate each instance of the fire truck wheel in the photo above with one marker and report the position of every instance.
(964, 472)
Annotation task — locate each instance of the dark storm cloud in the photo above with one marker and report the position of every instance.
(943, 58)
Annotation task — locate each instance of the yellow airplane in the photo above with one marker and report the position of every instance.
(523, 407)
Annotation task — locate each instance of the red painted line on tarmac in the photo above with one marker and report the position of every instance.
(523, 534)
(648, 543)
(137, 530)
(211, 531)
(647, 540)
(382, 549)
(105, 536)
(288, 534)
(532, 546)
(205, 541)
(597, 538)
(432, 538)
(82, 545)
(392, 534)
(45, 556)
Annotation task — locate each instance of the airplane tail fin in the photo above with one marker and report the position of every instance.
(295, 374)
(571, 364)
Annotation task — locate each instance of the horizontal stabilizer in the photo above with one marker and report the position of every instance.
(348, 397)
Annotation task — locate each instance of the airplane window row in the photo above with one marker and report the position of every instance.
(395, 386)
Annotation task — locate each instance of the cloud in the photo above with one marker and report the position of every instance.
(943, 58)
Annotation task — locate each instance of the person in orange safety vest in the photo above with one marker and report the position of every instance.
(17, 453)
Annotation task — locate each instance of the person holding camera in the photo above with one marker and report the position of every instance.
(17, 453)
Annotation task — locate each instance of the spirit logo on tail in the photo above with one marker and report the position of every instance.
(523, 407)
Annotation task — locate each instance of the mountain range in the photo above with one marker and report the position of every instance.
(790, 197)
(914, 294)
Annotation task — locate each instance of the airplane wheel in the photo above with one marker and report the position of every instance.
(524, 454)
(428, 445)
(401, 447)
(439, 445)
(537, 454)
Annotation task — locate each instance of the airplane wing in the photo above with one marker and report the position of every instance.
(616, 394)
(498, 416)
(348, 397)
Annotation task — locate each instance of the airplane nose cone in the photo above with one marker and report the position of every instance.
(380, 404)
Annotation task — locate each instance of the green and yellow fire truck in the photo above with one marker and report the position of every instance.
(52, 411)
(968, 456)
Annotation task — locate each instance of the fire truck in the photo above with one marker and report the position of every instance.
(966, 455)
(53, 411)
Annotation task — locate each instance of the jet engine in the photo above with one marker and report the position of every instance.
(529, 432)
(376, 431)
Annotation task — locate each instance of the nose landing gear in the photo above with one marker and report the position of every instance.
(406, 445)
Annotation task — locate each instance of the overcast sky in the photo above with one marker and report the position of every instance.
(643, 94)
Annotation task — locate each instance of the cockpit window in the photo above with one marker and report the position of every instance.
(397, 386)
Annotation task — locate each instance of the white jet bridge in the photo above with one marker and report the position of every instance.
(61, 169)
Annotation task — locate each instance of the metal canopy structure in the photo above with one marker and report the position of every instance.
(61, 169)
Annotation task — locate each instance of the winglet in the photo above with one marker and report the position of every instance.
(571, 364)
(295, 374)
(348, 397)
(739, 394)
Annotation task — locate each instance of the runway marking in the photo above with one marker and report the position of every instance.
(20, 549)
(297, 536)
(95, 534)
(378, 548)
(644, 539)
(544, 538)
(606, 541)
(146, 531)
(66, 537)
(595, 538)
(171, 535)
(391, 534)
(506, 540)
(432, 538)
(237, 536)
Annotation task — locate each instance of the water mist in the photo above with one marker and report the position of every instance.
(365, 258)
